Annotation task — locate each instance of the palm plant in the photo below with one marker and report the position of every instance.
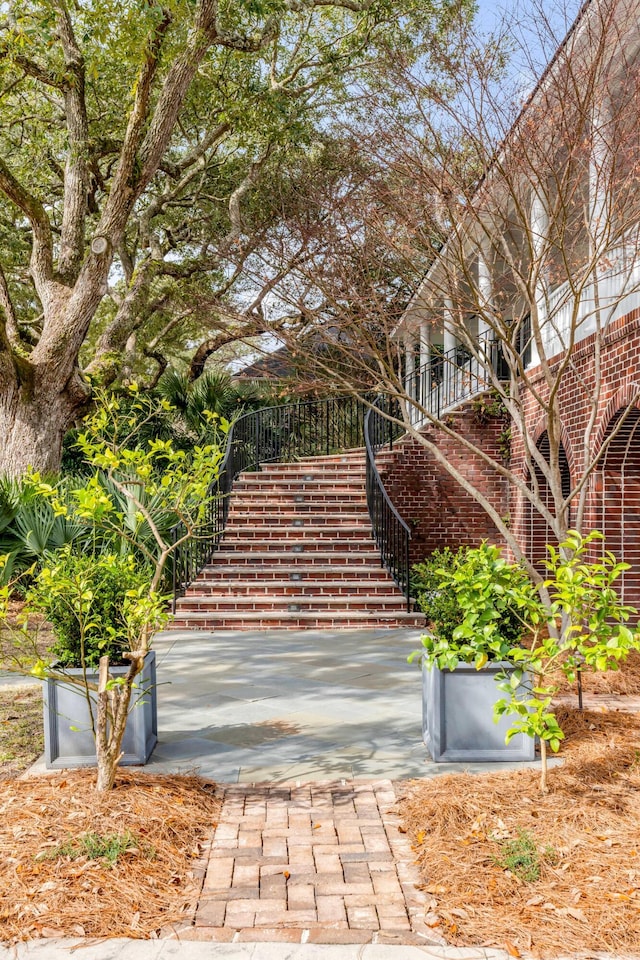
(30, 526)
(213, 392)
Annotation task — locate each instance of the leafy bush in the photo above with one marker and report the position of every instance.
(581, 624)
(89, 601)
(440, 607)
(474, 601)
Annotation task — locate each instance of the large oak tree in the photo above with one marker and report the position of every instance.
(137, 143)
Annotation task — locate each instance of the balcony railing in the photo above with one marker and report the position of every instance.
(617, 286)
(454, 376)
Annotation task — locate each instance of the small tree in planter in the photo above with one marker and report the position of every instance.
(482, 608)
(576, 622)
(131, 501)
(474, 602)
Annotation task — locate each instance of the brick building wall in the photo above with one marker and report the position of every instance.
(438, 511)
(441, 513)
(613, 492)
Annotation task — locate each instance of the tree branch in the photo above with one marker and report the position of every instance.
(41, 251)
(6, 306)
(76, 173)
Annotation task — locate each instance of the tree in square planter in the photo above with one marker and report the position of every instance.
(487, 613)
(475, 602)
(101, 608)
(103, 593)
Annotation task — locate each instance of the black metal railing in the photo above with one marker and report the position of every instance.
(450, 377)
(288, 432)
(391, 533)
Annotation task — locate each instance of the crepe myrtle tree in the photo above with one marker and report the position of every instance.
(137, 143)
(514, 218)
(131, 506)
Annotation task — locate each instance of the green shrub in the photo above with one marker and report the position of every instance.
(88, 600)
(440, 607)
(474, 601)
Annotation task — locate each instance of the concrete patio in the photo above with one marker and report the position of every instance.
(292, 706)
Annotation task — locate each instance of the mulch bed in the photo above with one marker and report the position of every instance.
(585, 835)
(50, 886)
(622, 682)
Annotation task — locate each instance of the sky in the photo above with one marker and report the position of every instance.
(540, 26)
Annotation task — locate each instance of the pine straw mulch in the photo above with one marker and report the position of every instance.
(44, 892)
(586, 830)
(622, 682)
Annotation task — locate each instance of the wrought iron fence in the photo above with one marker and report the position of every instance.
(453, 376)
(288, 432)
(391, 533)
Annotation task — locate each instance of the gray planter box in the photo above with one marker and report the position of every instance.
(457, 716)
(65, 706)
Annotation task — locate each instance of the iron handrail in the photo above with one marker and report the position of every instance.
(391, 533)
(270, 434)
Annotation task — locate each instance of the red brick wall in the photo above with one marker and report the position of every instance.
(438, 511)
(613, 493)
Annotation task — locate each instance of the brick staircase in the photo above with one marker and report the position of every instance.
(297, 554)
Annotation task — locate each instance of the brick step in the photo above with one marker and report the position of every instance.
(317, 463)
(249, 484)
(316, 572)
(293, 604)
(340, 460)
(337, 472)
(308, 517)
(289, 557)
(307, 587)
(355, 620)
(262, 499)
(306, 532)
(327, 545)
(243, 512)
(356, 453)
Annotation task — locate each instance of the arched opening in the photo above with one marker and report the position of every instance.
(539, 533)
(619, 499)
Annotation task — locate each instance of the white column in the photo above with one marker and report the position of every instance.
(450, 342)
(485, 297)
(424, 383)
(485, 292)
(425, 343)
(409, 364)
(539, 224)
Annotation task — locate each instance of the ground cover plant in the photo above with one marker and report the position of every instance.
(77, 863)
(547, 874)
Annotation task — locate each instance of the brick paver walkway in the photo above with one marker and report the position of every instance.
(317, 863)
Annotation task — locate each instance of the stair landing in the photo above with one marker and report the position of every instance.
(297, 554)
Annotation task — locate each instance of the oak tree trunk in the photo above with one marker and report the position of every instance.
(34, 418)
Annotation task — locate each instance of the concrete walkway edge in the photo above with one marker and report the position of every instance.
(121, 949)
